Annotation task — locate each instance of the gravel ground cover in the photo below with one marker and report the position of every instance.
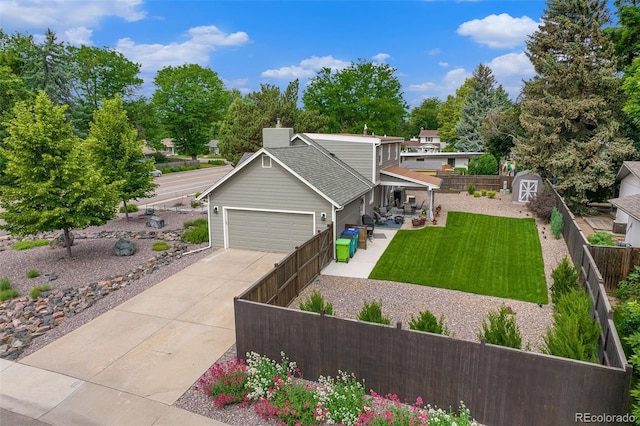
(463, 312)
(93, 260)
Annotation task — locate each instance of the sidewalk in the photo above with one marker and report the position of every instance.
(129, 365)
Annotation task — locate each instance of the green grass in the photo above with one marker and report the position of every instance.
(26, 245)
(160, 246)
(489, 255)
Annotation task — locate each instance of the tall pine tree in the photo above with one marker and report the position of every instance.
(482, 100)
(572, 108)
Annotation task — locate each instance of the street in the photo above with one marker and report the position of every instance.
(175, 187)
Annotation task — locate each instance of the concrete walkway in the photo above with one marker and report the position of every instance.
(129, 365)
(362, 263)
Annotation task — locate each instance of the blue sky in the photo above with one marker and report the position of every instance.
(434, 45)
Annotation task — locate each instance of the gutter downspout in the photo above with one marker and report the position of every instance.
(209, 225)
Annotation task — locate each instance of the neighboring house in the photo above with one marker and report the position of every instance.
(169, 147)
(213, 146)
(280, 196)
(428, 141)
(628, 207)
(453, 159)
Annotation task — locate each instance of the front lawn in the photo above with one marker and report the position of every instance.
(481, 254)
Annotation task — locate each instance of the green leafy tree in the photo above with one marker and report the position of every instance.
(626, 34)
(631, 86)
(114, 147)
(56, 187)
(424, 116)
(144, 116)
(571, 112)
(100, 73)
(241, 130)
(362, 94)
(500, 128)
(190, 100)
(483, 99)
(449, 114)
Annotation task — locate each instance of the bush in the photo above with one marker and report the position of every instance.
(372, 312)
(483, 192)
(226, 383)
(160, 246)
(159, 157)
(471, 189)
(501, 328)
(316, 303)
(565, 279)
(343, 400)
(26, 245)
(8, 294)
(195, 223)
(195, 204)
(629, 289)
(131, 208)
(627, 320)
(491, 194)
(556, 223)
(486, 164)
(477, 194)
(197, 231)
(428, 322)
(32, 273)
(542, 204)
(5, 284)
(35, 291)
(633, 342)
(461, 170)
(217, 162)
(574, 333)
(601, 239)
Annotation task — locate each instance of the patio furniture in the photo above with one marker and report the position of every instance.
(369, 223)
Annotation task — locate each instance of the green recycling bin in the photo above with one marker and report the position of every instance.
(342, 250)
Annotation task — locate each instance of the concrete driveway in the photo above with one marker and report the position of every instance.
(130, 364)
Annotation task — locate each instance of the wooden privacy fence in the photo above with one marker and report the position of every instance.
(615, 263)
(501, 386)
(611, 352)
(461, 183)
(287, 278)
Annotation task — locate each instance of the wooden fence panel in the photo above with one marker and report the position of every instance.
(501, 386)
(461, 183)
(615, 263)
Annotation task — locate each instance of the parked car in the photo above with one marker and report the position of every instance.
(156, 172)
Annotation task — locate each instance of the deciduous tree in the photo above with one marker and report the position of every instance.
(572, 108)
(190, 99)
(424, 116)
(56, 187)
(114, 147)
(449, 115)
(362, 94)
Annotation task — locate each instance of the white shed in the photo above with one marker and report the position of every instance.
(526, 185)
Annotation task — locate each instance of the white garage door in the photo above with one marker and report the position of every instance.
(268, 231)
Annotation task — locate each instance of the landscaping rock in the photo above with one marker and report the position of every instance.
(58, 241)
(124, 247)
(155, 222)
(49, 277)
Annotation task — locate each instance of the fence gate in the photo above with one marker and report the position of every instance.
(528, 189)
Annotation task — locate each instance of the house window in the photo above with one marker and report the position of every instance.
(266, 162)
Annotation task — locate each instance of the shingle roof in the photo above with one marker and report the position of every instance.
(428, 133)
(427, 180)
(629, 204)
(327, 174)
(627, 167)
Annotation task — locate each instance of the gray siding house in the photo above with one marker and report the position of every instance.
(292, 188)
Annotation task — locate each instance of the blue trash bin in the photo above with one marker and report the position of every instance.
(353, 242)
(355, 233)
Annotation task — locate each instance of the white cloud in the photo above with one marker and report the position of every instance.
(78, 36)
(434, 51)
(421, 87)
(381, 57)
(196, 49)
(499, 31)
(62, 14)
(512, 64)
(307, 68)
(455, 78)
(443, 64)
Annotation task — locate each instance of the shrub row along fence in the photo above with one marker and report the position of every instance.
(501, 386)
(461, 183)
(615, 263)
(611, 352)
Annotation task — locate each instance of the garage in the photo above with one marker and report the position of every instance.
(268, 230)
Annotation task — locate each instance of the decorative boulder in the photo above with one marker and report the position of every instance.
(58, 242)
(155, 222)
(124, 247)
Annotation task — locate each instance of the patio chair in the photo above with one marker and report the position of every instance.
(369, 223)
(408, 210)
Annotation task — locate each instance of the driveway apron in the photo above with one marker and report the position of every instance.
(130, 364)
